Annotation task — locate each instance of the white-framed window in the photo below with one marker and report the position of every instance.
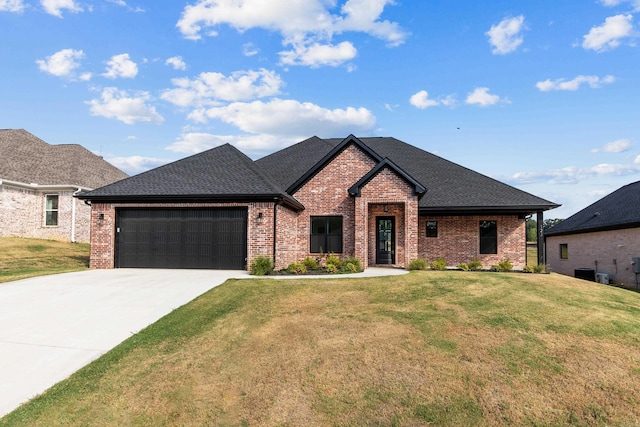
(51, 210)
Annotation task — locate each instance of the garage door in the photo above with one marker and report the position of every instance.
(181, 238)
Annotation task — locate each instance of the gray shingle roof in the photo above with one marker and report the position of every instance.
(28, 159)
(226, 173)
(618, 210)
(450, 187)
(221, 173)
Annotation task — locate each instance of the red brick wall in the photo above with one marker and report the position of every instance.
(327, 194)
(387, 188)
(458, 240)
(288, 249)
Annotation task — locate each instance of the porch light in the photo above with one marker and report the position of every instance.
(386, 208)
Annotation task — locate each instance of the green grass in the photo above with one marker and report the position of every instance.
(22, 258)
(427, 348)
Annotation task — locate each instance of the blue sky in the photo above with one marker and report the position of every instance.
(543, 95)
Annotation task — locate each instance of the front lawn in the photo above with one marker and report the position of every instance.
(21, 258)
(427, 348)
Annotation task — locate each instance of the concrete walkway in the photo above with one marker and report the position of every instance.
(51, 326)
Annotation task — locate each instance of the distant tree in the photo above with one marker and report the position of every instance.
(549, 223)
(532, 233)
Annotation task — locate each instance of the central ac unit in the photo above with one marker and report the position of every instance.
(602, 278)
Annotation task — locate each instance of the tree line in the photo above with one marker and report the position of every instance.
(532, 224)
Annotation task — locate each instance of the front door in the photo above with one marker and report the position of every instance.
(385, 240)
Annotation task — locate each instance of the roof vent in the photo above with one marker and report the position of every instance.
(596, 214)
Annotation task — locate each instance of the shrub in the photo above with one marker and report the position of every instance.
(349, 267)
(463, 266)
(540, 268)
(527, 269)
(311, 263)
(334, 261)
(356, 266)
(331, 268)
(438, 264)
(261, 266)
(418, 264)
(297, 268)
(475, 265)
(504, 265)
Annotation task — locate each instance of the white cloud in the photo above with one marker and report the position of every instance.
(55, 7)
(612, 3)
(196, 142)
(117, 104)
(118, 2)
(505, 37)
(62, 63)
(609, 35)
(210, 88)
(290, 118)
(562, 84)
(306, 25)
(573, 175)
(121, 66)
(617, 146)
(176, 62)
(421, 100)
(481, 96)
(137, 164)
(315, 55)
(11, 6)
(249, 49)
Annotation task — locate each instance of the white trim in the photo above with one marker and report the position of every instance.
(45, 187)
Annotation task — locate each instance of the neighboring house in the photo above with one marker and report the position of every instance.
(601, 241)
(38, 182)
(378, 199)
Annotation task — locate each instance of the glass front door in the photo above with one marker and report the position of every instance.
(385, 240)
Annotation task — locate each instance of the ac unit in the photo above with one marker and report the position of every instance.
(602, 278)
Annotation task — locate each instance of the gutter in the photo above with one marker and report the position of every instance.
(44, 187)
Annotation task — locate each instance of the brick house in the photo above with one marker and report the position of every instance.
(601, 241)
(38, 182)
(378, 199)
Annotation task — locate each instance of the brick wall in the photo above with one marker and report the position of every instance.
(387, 188)
(602, 246)
(458, 240)
(22, 214)
(327, 194)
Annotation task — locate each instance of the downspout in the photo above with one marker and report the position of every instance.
(541, 242)
(73, 215)
(275, 215)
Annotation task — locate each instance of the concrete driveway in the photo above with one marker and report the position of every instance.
(51, 326)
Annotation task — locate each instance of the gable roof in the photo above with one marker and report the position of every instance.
(452, 189)
(226, 174)
(418, 189)
(27, 159)
(219, 174)
(618, 210)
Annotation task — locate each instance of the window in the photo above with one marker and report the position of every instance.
(326, 234)
(488, 237)
(51, 210)
(432, 228)
(564, 251)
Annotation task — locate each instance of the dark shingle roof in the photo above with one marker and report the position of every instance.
(226, 173)
(221, 173)
(28, 159)
(450, 187)
(618, 210)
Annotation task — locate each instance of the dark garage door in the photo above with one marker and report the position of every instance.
(181, 238)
